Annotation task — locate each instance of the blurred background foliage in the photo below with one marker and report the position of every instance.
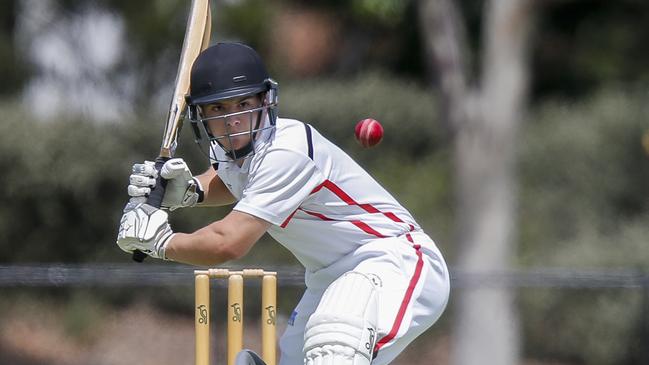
(583, 167)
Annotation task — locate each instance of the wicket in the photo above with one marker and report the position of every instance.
(235, 312)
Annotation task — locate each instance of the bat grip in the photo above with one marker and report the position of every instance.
(155, 199)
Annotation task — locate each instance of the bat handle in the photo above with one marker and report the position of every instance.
(155, 199)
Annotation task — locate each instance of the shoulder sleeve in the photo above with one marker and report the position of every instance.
(279, 185)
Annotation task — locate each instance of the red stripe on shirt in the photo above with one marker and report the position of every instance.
(360, 224)
(393, 217)
(369, 208)
(340, 193)
(321, 216)
(348, 199)
(367, 229)
(406, 300)
(317, 188)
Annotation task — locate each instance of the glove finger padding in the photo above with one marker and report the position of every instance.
(144, 228)
(145, 169)
(176, 167)
(141, 180)
(136, 191)
(181, 190)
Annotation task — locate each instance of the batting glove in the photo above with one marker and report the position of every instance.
(182, 189)
(144, 228)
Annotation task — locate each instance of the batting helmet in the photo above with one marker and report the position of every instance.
(226, 71)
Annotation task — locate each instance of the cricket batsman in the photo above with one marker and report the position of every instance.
(374, 280)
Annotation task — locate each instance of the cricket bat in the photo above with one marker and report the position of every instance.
(197, 38)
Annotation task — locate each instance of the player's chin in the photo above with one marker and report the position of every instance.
(239, 142)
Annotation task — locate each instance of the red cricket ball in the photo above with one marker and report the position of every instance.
(369, 132)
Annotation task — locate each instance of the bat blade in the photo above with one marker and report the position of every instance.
(197, 38)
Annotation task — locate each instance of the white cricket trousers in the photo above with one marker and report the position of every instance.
(413, 283)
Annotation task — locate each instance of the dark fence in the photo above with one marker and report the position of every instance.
(78, 275)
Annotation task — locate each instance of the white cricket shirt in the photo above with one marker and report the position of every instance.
(322, 205)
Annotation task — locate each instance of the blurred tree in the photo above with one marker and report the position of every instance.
(585, 45)
(585, 206)
(483, 121)
(12, 69)
(155, 32)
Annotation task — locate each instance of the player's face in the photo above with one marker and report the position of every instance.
(231, 120)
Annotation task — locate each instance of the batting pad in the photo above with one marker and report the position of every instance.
(342, 330)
